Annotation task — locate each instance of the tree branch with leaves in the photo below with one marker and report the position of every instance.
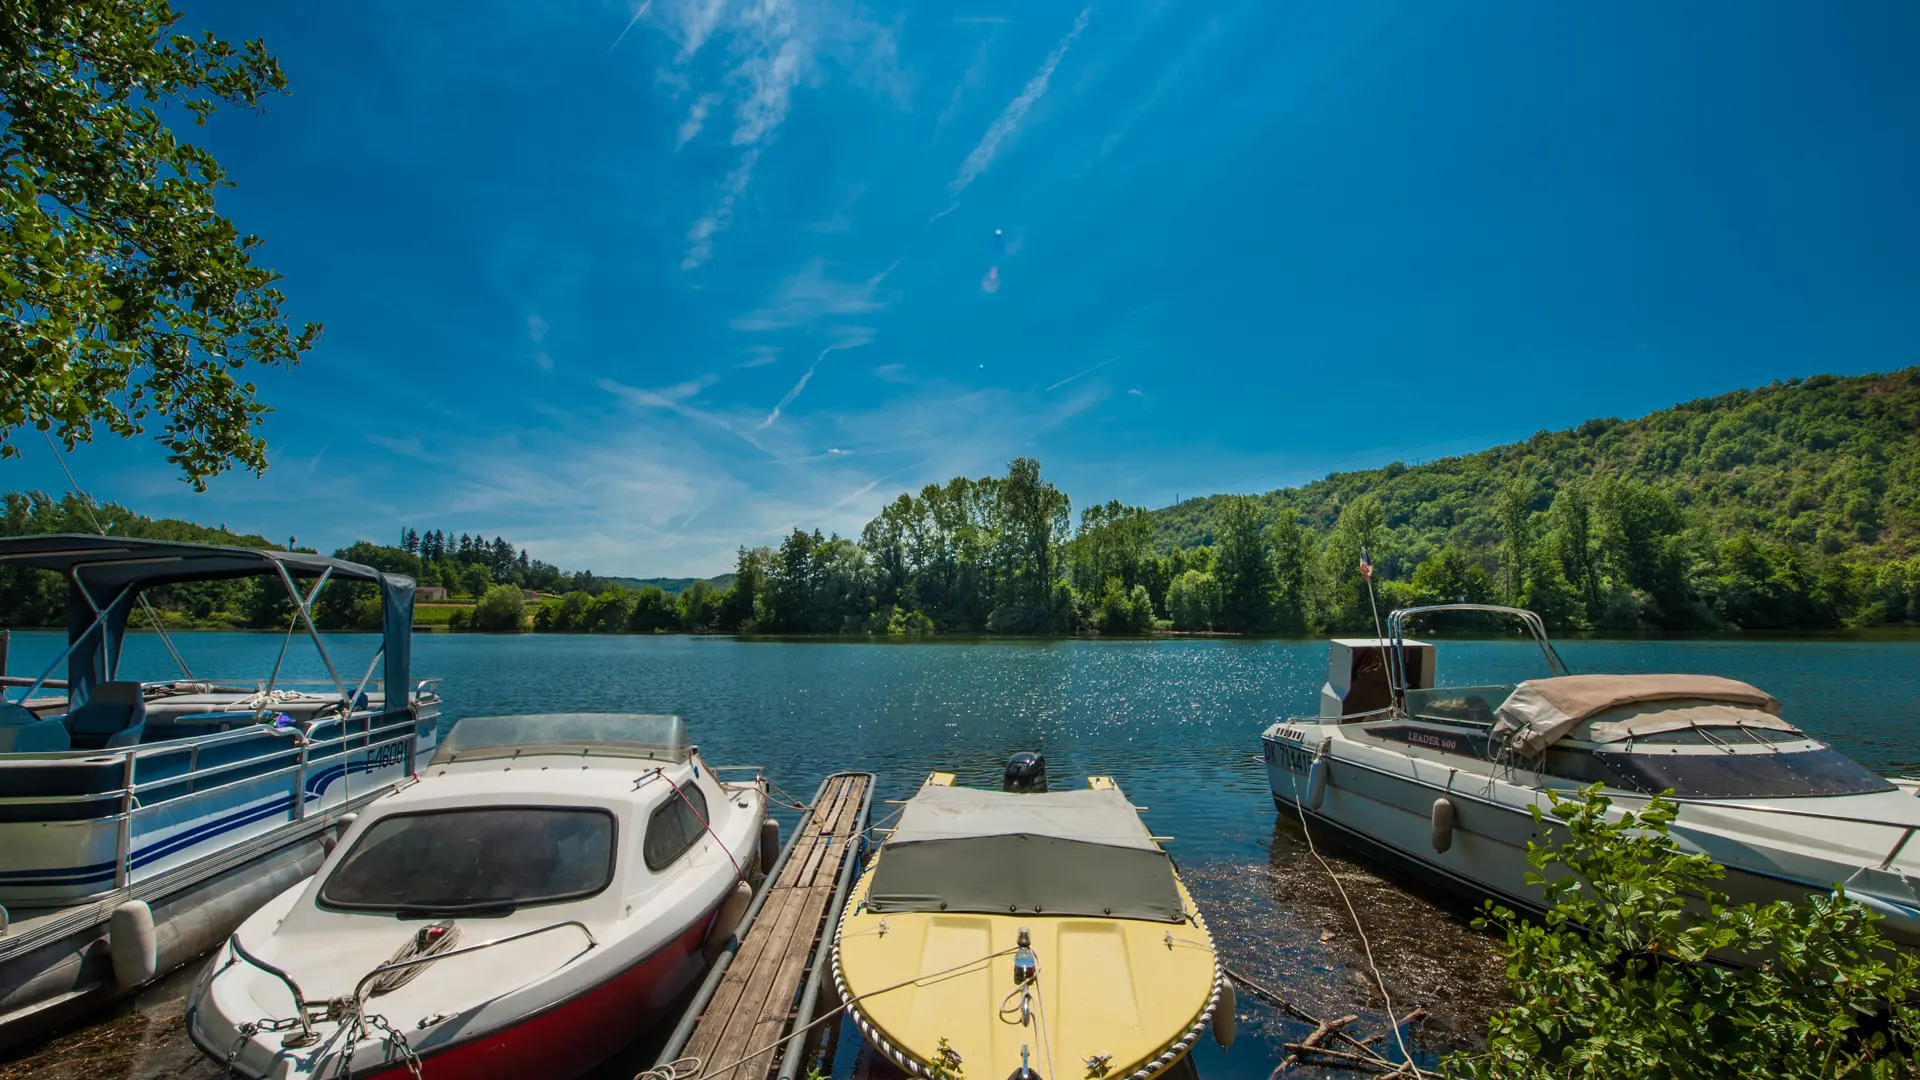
(128, 300)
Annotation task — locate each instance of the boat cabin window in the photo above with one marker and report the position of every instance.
(451, 861)
(1467, 705)
(675, 827)
(1754, 775)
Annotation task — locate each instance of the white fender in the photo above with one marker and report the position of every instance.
(131, 944)
(1319, 776)
(1443, 824)
(731, 910)
(769, 844)
(1223, 1014)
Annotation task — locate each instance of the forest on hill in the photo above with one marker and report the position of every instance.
(1792, 506)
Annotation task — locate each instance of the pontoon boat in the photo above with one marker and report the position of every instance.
(141, 821)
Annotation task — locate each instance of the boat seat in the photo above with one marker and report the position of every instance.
(114, 716)
(21, 732)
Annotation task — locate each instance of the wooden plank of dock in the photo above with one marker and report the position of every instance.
(749, 1013)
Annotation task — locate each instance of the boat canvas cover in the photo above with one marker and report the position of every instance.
(1059, 853)
(1541, 712)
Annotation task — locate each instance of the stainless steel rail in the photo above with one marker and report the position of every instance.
(359, 988)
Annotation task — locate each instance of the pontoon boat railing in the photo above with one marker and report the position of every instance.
(1396, 622)
(369, 737)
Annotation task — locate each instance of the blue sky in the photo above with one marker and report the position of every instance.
(633, 284)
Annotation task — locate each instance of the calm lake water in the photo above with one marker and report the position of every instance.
(1176, 722)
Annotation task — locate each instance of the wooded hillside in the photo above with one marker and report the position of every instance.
(1795, 504)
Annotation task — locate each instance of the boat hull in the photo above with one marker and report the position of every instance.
(1388, 817)
(1139, 992)
(563, 1039)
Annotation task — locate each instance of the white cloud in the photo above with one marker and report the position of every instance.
(758, 356)
(815, 293)
(1016, 111)
(696, 118)
(673, 399)
(774, 47)
(700, 236)
(537, 333)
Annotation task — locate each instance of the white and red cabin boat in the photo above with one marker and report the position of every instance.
(538, 897)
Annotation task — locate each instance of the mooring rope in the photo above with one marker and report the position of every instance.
(1365, 945)
(672, 1070)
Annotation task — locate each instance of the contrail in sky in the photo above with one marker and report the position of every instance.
(850, 343)
(631, 23)
(1072, 377)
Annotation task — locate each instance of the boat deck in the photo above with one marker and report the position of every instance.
(761, 990)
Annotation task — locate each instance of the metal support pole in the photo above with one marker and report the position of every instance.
(312, 631)
(123, 856)
(292, 624)
(71, 645)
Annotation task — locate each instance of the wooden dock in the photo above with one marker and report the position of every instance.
(759, 996)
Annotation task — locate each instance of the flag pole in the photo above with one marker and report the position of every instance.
(1366, 572)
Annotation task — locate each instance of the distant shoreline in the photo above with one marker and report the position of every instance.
(1894, 634)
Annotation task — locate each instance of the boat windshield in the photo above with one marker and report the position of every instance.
(660, 737)
(1753, 775)
(484, 860)
(1458, 704)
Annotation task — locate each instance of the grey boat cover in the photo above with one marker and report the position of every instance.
(1059, 853)
(1541, 712)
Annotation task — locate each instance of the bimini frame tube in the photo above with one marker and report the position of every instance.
(306, 617)
(292, 622)
(1396, 634)
(98, 620)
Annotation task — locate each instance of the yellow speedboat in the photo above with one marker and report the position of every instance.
(1006, 936)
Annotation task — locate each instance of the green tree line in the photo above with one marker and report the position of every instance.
(1795, 506)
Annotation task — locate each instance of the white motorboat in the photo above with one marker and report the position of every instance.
(1440, 780)
(541, 894)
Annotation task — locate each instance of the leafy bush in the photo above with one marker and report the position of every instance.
(1618, 980)
(1193, 601)
(500, 610)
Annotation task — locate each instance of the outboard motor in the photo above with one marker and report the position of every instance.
(1026, 773)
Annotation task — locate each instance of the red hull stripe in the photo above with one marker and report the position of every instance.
(577, 1034)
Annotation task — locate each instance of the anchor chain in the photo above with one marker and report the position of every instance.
(246, 1032)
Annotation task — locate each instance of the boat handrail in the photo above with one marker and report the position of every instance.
(218, 738)
(300, 1005)
(359, 989)
(1534, 624)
